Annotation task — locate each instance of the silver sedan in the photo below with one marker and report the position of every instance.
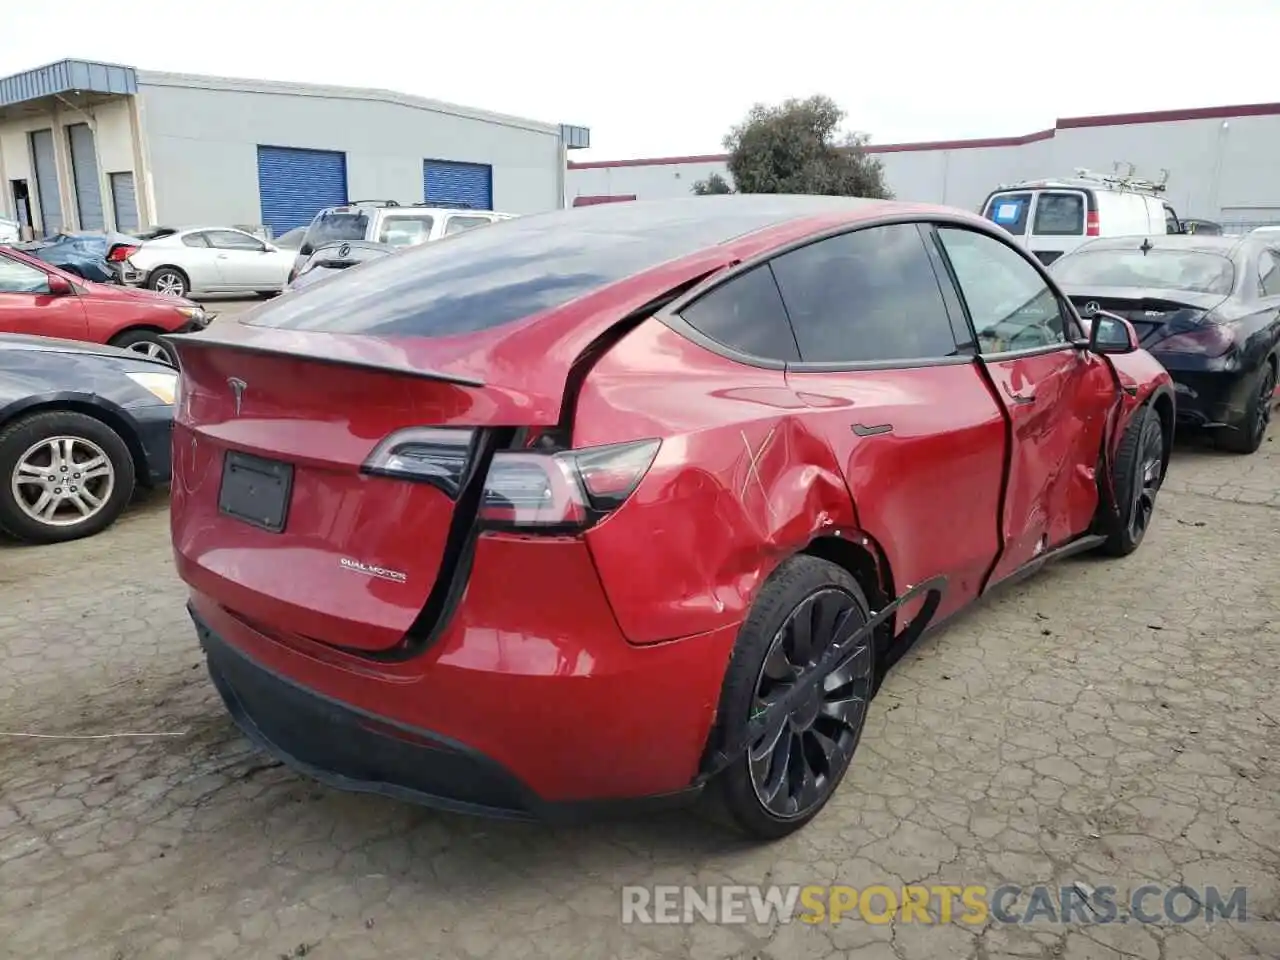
(202, 260)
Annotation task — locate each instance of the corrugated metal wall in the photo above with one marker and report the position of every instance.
(294, 185)
(464, 184)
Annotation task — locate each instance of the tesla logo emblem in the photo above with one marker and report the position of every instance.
(237, 390)
(1091, 308)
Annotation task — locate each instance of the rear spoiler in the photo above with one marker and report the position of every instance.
(202, 339)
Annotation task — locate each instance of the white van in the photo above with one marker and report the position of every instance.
(1053, 217)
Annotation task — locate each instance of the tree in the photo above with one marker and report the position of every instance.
(795, 147)
(713, 184)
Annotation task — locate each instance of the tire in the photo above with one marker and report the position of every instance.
(170, 281)
(26, 443)
(1137, 474)
(145, 342)
(789, 596)
(1247, 434)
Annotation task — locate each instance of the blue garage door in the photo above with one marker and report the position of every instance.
(457, 184)
(296, 184)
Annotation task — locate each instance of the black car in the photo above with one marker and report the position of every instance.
(1208, 307)
(329, 259)
(81, 427)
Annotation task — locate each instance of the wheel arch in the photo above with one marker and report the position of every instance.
(1163, 403)
(93, 407)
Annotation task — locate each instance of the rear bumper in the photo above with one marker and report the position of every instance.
(1211, 398)
(537, 709)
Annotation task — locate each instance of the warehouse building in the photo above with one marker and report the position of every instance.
(91, 146)
(1222, 163)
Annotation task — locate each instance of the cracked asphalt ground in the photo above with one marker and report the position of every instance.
(1115, 723)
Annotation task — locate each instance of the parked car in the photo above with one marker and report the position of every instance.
(331, 258)
(1053, 217)
(40, 299)
(10, 232)
(81, 427)
(1207, 307)
(667, 476)
(195, 261)
(386, 221)
(92, 255)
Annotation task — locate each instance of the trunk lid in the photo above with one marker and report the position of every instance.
(1155, 314)
(272, 512)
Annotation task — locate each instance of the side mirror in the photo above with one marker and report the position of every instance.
(1109, 333)
(59, 286)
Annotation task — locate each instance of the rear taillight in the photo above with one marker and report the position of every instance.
(1091, 228)
(121, 253)
(528, 490)
(1211, 340)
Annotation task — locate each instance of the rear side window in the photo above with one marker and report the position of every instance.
(1059, 215)
(405, 231)
(331, 227)
(1269, 273)
(459, 224)
(195, 240)
(870, 295)
(745, 314)
(1010, 210)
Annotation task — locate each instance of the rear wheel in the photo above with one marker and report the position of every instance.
(1137, 475)
(63, 476)
(1246, 435)
(169, 281)
(145, 342)
(787, 775)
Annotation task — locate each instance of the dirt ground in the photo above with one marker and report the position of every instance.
(1106, 722)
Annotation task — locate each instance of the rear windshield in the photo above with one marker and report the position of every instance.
(1190, 270)
(482, 279)
(1010, 211)
(329, 227)
(1059, 215)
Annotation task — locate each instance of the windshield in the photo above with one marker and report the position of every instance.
(329, 227)
(1190, 270)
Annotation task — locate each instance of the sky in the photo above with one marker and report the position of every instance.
(665, 78)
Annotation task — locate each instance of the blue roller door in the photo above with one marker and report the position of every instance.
(449, 183)
(295, 185)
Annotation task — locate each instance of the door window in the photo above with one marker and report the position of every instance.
(1010, 210)
(1059, 215)
(1269, 273)
(1171, 224)
(234, 240)
(459, 224)
(746, 315)
(17, 277)
(405, 231)
(869, 295)
(1011, 306)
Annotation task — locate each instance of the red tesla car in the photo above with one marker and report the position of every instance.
(40, 299)
(619, 503)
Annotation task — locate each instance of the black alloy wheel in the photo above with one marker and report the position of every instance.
(797, 763)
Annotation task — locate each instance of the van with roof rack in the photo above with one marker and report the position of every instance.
(389, 222)
(1051, 217)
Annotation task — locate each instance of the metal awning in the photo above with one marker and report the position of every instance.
(68, 78)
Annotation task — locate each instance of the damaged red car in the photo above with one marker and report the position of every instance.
(613, 506)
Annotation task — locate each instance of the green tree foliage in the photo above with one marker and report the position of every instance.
(713, 184)
(796, 147)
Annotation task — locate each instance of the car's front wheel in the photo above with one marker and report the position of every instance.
(789, 771)
(147, 343)
(1137, 475)
(169, 281)
(63, 476)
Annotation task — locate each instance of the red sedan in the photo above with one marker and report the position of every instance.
(637, 501)
(42, 300)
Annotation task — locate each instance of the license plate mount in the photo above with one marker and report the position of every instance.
(256, 490)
